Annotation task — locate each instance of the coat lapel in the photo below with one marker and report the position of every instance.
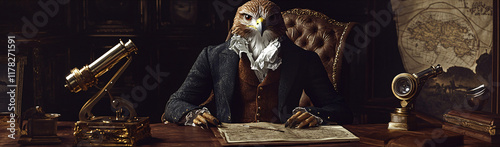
(228, 69)
(289, 68)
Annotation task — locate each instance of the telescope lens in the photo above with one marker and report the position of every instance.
(403, 86)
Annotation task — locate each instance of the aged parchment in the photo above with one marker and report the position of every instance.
(447, 32)
(238, 133)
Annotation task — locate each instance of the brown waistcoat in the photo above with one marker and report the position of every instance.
(254, 101)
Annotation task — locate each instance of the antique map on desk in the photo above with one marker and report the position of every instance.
(238, 133)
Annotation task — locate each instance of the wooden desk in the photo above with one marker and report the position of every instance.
(162, 135)
(426, 135)
(174, 135)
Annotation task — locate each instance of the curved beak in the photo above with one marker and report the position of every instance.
(261, 25)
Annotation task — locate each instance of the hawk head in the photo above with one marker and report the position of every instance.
(260, 22)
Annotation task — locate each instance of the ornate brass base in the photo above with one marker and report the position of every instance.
(402, 119)
(108, 132)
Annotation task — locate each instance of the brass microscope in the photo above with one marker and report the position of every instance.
(116, 130)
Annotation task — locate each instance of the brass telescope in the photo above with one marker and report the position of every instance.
(118, 130)
(82, 79)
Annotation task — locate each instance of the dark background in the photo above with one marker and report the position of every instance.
(82, 30)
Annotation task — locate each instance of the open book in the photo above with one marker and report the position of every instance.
(266, 132)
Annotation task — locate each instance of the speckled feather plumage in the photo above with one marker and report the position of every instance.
(258, 8)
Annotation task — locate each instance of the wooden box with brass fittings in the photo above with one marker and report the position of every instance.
(111, 133)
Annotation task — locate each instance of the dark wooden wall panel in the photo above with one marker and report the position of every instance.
(83, 30)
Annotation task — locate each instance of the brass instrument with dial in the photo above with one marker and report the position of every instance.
(405, 87)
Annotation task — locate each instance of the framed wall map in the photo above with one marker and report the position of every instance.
(458, 35)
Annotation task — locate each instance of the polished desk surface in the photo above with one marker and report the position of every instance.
(174, 135)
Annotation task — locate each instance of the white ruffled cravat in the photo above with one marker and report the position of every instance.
(267, 59)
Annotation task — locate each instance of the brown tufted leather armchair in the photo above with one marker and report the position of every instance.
(317, 32)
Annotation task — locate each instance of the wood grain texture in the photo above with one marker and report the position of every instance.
(175, 135)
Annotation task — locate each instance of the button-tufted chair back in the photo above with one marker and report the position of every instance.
(317, 32)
